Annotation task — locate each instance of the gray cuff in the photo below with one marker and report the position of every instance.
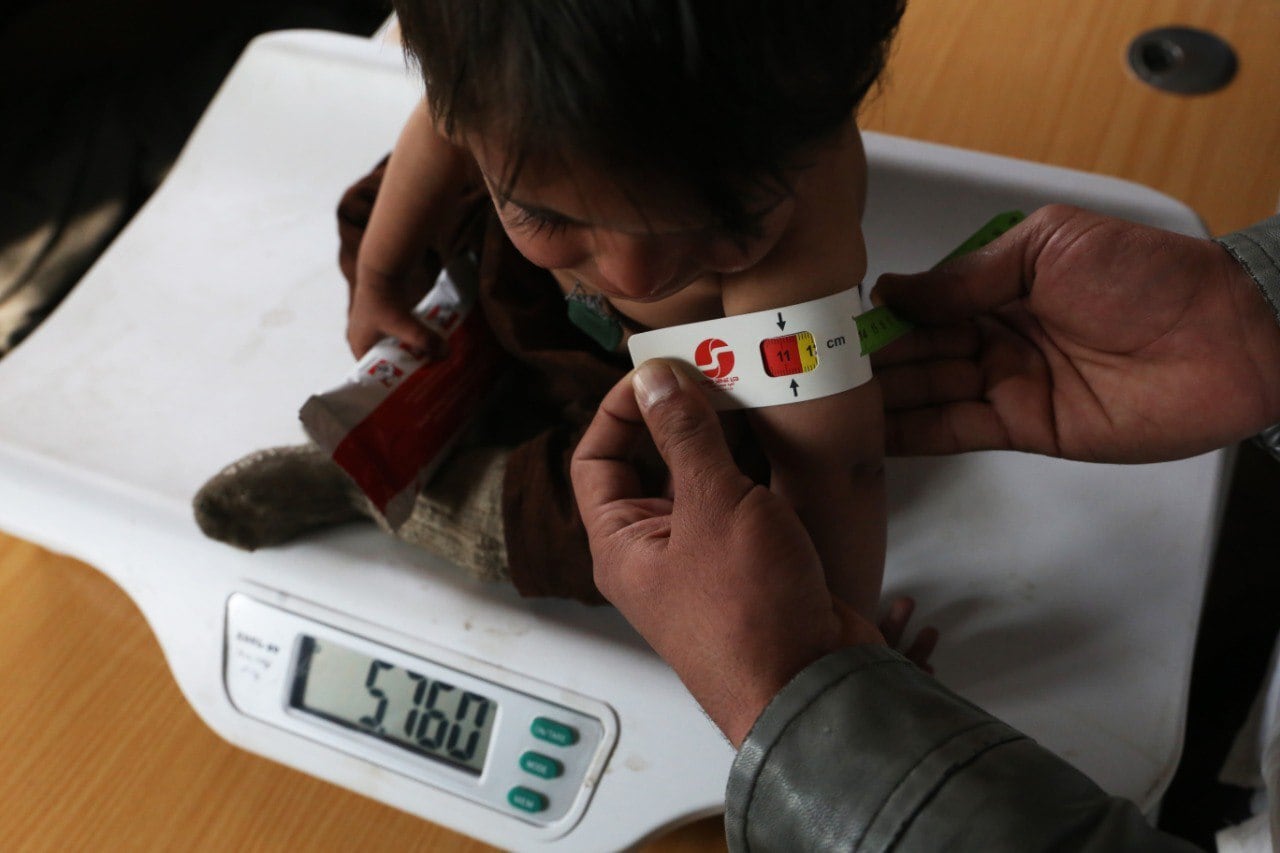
(863, 751)
(1257, 248)
(848, 752)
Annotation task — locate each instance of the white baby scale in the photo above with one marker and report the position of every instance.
(1067, 594)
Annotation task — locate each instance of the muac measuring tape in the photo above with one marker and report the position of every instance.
(789, 355)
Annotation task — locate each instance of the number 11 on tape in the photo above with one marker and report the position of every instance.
(790, 354)
(743, 362)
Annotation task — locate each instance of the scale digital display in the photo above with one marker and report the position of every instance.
(526, 751)
(424, 715)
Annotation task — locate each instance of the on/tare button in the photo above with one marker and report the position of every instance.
(526, 800)
(541, 765)
(553, 732)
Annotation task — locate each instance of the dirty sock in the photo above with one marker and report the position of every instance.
(273, 496)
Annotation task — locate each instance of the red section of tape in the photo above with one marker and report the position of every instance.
(407, 432)
(781, 356)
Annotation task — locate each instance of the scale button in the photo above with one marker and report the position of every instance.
(526, 800)
(553, 732)
(541, 765)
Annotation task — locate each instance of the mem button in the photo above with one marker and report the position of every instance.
(553, 732)
(526, 800)
(541, 765)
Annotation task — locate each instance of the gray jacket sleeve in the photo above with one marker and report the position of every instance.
(863, 751)
(1257, 248)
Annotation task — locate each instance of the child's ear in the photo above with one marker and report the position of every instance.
(454, 137)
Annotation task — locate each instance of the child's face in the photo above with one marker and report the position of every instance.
(638, 246)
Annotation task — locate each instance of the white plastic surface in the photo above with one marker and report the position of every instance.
(1067, 594)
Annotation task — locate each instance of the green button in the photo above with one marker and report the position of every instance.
(541, 765)
(526, 800)
(553, 732)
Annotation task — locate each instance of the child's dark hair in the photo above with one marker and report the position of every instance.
(719, 96)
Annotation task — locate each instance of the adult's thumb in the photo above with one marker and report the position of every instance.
(684, 427)
(967, 286)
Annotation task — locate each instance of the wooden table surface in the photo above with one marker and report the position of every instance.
(99, 750)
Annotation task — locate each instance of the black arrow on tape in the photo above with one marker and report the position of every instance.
(795, 388)
(782, 324)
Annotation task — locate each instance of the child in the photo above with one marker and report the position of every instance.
(657, 162)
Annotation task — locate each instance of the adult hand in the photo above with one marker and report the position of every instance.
(1081, 336)
(721, 578)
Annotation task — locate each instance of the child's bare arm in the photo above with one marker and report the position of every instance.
(826, 454)
(826, 457)
(424, 177)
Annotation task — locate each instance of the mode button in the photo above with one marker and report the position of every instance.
(541, 765)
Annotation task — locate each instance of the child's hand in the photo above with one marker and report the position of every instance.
(382, 306)
(420, 189)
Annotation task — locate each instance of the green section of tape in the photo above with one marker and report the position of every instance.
(999, 224)
(880, 327)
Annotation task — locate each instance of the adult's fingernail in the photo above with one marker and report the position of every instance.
(653, 383)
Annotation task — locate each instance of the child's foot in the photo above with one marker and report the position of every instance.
(275, 495)
(893, 625)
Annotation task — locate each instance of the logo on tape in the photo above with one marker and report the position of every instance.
(385, 373)
(444, 317)
(715, 359)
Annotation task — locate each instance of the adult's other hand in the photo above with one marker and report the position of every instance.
(1081, 336)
